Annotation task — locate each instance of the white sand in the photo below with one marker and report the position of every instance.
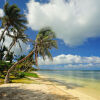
(32, 92)
(43, 90)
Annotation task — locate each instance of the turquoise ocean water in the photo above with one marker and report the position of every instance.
(85, 81)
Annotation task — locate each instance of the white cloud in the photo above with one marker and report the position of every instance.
(74, 21)
(16, 49)
(70, 60)
(1, 13)
(79, 65)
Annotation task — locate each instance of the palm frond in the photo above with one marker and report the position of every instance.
(45, 41)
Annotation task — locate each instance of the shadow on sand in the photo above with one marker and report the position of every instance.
(15, 93)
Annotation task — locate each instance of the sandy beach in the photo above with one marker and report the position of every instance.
(43, 89)
(32, 92)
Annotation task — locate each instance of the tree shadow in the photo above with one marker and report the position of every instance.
(17, 93)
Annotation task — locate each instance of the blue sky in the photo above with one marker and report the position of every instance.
(79, 44)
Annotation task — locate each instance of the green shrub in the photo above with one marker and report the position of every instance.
(4, 66)
(20, 75)
(31, 74)
(23, 74)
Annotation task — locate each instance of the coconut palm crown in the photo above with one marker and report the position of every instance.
(12, 19)
(45, 41)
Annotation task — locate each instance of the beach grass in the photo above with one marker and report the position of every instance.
(25, 79)
(30, 74)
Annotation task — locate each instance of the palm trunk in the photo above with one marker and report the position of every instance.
(3, 34)
(36, 59)
(26, 69)
(12, 67)
(36, 55)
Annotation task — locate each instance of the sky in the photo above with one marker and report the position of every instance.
(77, 27)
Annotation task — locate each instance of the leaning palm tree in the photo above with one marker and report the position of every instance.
(25, 65)
(28, 63)
(12, 19)
(43, 43)
(16, 38)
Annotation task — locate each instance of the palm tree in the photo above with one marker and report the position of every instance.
(43, 43)
(16, 38)
(15, 64)
(12, 19)
(27, 64)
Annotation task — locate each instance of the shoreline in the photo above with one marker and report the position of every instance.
(74, 92)
(44, 89)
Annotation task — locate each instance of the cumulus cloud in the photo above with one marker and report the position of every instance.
(15, 49)
(74, 21)
(70, 60)
(1, 13)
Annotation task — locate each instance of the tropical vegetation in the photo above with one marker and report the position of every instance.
(13, 24)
